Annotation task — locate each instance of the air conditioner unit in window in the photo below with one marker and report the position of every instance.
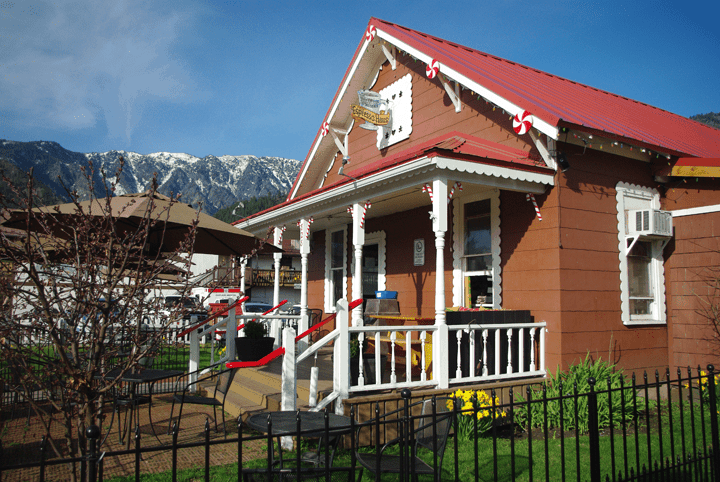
(649, 223)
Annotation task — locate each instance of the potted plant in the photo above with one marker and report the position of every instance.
(255, 344)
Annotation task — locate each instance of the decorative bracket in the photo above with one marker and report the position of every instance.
(342, 145)
(453, 94)
(390, 54)
(545, 152)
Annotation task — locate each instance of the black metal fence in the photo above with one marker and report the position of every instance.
(656, 428)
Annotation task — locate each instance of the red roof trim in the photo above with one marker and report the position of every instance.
(453, 144)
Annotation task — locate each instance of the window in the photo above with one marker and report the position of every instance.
(335, 267)
(476, 264)
(642, 277)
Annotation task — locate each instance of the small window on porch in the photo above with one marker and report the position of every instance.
(335, 268)
(477, 257)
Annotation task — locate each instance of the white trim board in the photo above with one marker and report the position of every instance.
(699, 210)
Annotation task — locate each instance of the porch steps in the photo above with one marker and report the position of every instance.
(256, 390)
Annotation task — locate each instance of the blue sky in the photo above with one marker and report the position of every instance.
(257, 77)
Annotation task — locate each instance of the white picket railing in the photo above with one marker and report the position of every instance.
(480, 353)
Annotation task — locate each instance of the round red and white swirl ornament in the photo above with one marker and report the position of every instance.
(370, 33)
(522, 122)
(432, 69)
(325, 129)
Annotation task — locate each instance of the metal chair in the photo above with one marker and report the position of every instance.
(428, 431)
(223, 381)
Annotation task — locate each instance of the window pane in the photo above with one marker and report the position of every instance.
(478, 263)
(477, 235)
(337, 279)
(336, 256)
(639, 270)
(640, 307)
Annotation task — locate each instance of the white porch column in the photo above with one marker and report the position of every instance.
(358, 243)
(440, 337)
(275, 325)
(304, 252)
(277, 241)
(243, 267)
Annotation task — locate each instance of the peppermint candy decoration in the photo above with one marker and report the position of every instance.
(522, 122)
(325, 129)
(531, 197)
(370, 33)
(432, 69)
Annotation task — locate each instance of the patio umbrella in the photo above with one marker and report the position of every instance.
(170, 223)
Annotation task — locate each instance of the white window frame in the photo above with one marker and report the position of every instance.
(459, 246)
(632, 197)
(329, 301)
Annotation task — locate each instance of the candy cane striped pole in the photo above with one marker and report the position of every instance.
(531, 197)
(365, 208)
(457, 186)
(428, 189)
(307, 229)
(350, 209)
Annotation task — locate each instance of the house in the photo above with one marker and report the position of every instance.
(460, 179)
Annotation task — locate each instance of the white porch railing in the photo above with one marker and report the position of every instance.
(497, 352)
(482, 353)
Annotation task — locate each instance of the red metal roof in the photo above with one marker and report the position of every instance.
(562, 102)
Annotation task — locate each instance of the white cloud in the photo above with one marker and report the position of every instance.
(67, 64)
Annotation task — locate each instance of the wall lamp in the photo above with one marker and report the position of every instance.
(562, 161)
(345, 160)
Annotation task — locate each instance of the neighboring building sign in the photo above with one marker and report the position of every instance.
(419, 252)
(696, 167)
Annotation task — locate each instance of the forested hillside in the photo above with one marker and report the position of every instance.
(16, 177)
(711, 119)
(252, 206)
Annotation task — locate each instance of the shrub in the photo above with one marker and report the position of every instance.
(475, 404)
(255, 329)
(575, 380)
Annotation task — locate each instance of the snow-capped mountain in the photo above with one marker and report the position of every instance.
(216, 182)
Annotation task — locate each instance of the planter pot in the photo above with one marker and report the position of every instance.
(253, 349)
(368, 368)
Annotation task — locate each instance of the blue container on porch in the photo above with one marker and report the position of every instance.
(386, 295)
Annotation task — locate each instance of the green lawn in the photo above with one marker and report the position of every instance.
(530, 458)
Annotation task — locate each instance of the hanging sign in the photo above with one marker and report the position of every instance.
(369, 110)
(419, 252)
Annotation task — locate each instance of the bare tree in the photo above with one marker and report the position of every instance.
(75, 291)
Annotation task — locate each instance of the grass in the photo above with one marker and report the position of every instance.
(530, 453)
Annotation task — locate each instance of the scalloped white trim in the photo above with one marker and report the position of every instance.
(632, 196)
(458, 235)
(493, 171)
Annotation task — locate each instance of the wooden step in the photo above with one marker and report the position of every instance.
(257, 389)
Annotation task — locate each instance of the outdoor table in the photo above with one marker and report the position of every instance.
(312, 425)
(148, 375)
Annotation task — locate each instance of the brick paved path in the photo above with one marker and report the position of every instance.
(21, 443)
